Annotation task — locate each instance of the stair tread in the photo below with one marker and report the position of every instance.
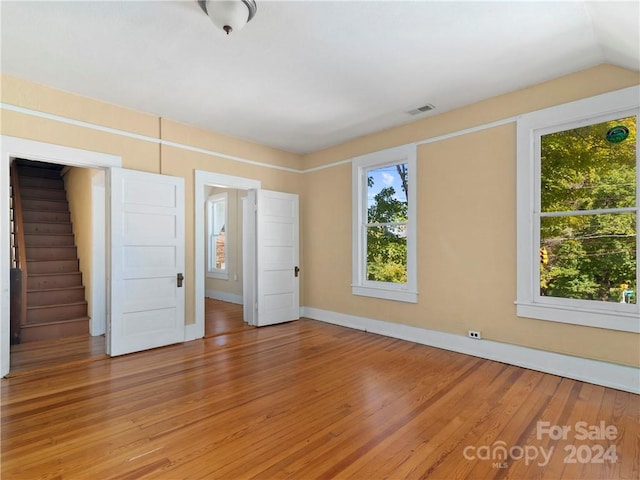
(52, 234)
(38, 290)
(79, 302)
(54, 322)
(40, 210)
(31, 275)
(45, 223)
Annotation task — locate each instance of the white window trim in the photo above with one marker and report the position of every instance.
(360, 286)
(609, 315)
(212, 272)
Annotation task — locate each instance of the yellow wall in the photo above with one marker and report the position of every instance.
(78, 184)
(466, 226)
(466, 204)
(140, 154)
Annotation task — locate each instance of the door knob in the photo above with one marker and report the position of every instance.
(180, 280)
(296, 270)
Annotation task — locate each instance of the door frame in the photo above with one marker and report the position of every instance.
(11, 148)
(204, 179)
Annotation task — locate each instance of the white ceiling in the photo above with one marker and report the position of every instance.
(305, 75)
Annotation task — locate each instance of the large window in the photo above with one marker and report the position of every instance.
(384, 262)
(578, 212)
(217, 243)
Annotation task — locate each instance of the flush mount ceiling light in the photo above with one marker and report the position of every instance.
(229, 15)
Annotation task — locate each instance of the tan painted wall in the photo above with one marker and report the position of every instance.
(466, 211)
(139, 154)
(233, 232)
(466, 226)
(77, 182)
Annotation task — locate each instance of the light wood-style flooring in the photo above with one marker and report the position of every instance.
(307, 400)
(26, 358)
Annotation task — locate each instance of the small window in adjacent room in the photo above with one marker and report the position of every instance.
(384, 253)
(578, 212)
(217, 247)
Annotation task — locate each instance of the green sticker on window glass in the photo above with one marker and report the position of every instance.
(617, 134)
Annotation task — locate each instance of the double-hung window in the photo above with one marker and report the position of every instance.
(217, 238)
(578, 212)
(384, 224)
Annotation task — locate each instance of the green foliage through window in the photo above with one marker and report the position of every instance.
(387, 208)
(591, 255)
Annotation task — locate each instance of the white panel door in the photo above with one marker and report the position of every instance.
(278, 285)
(147, 256)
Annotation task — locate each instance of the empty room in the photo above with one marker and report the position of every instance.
(319, 239)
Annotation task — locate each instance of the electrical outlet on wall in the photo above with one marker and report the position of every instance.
(475, 334)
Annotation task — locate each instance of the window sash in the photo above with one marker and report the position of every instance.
(361, 166)
(531, 128)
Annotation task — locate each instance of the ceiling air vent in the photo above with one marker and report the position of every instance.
(423, 109)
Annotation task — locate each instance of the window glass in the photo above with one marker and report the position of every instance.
(590, 167)
(590, 255)
(386, 228)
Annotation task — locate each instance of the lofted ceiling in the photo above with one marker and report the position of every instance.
(305, 75)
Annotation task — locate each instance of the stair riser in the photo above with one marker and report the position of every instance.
(45, 205)
(60, 266)
(51, 253)
(55, 297)
(54, 217)
(35, 333)
(31, 228)
(37, 282)
(55, 313)
(39, 182)
(38, 172)
(43, 240)
(43, 194)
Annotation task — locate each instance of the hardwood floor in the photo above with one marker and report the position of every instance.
(31, 357)
(26, 358)
(308, 400)
(222, 317)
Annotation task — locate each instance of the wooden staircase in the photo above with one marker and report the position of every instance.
(55, 297)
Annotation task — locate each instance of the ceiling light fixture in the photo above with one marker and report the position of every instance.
(229, 15)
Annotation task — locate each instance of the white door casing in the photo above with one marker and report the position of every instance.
(147, 254)
(277, 257)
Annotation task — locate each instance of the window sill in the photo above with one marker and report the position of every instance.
(385, 293)
(628, 321)
(219, 276)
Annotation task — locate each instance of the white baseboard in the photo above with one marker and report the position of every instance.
(612, 375)
(224, 296)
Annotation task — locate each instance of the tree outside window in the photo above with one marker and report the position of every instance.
(588, 225)
(387, 217)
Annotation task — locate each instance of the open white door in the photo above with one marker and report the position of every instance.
(278, 283)
(147, 259)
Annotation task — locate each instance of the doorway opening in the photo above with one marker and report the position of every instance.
(94, 166)
(58, 302)
(219, 237)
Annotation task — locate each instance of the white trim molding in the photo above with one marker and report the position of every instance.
(620, 377)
